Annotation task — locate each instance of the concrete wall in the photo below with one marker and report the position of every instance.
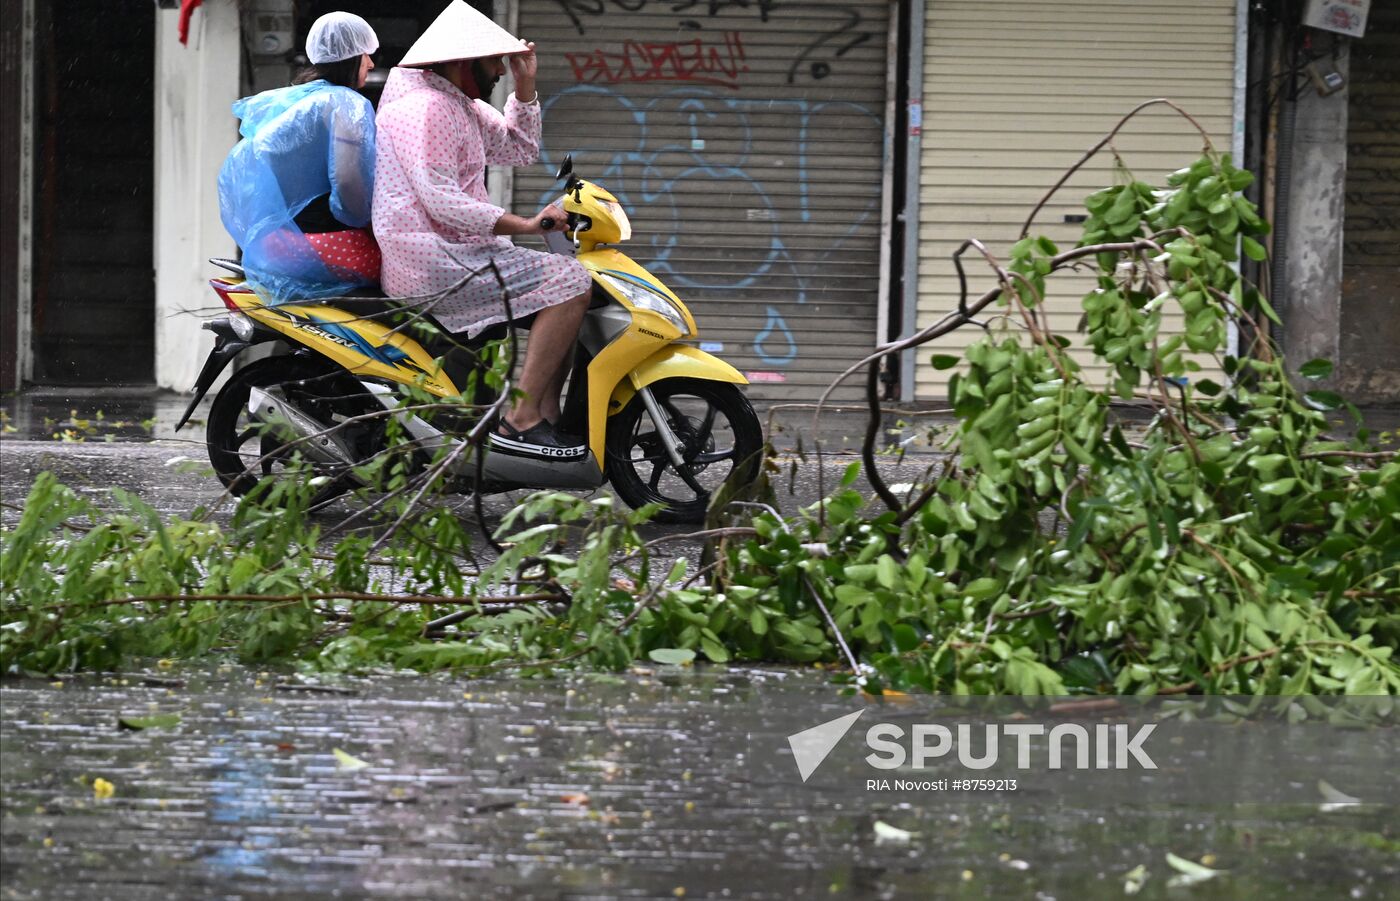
(1312, 289)
(195, 86)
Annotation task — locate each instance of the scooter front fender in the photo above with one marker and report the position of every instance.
(674, 361)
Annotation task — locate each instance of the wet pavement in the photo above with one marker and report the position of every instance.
(144, 413)
(96, 439)
(658, 783)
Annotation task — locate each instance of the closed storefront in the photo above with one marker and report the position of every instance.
(747, 141)
(1371, 253)
(93, 313)
(1014, 91)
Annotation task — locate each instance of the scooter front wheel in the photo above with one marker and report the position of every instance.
(720, 435)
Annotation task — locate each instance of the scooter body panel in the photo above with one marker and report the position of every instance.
(519, 471)
(365, 347)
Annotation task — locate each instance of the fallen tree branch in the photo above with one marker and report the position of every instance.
(311, 596)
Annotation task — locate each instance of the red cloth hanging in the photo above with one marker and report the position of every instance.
(186, 10)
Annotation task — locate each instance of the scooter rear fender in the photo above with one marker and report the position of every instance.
(227, 345)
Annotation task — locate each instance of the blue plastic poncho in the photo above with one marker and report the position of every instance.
(299, 143)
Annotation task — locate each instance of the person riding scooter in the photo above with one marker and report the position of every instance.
(295, 192)
(436, 224)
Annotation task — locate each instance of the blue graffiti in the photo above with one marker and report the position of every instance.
(776, 325)
(634, 176)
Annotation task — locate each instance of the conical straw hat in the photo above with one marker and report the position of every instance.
(461, 32)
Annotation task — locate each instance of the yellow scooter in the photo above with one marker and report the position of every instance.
(664, 422)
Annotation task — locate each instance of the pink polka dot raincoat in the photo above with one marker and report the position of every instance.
(432, 216)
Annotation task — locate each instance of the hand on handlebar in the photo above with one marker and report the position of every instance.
(549, 219)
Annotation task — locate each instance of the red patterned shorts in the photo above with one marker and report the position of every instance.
(350, 254)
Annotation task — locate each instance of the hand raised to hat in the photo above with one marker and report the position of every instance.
(522, 68)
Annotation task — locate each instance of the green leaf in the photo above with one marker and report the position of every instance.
(1268, 310)
(672, 656)
(860, 572)
(1190, 871)
(158, 721)
(905, 638)
(713, 650)
(945, 361)
(1324, 400)
(1079, 531)
(1122, 209)
(1316, 369)
(887, 571)
(1252, 248)
(885, 834)
(1336, 799)
(981, 588)
(1267, 463)
(1279, 486)
(852, 473)
(1134, 879)
(854, 595)
(758, 622)
(1240, 179)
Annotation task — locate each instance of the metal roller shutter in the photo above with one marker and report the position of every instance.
(746, 141)
(1015, 91)
(1370, 294)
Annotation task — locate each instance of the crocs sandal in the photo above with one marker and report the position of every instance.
(539, 440)
(568, 439)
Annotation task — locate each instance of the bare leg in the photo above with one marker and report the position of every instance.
(546, 358)
(552, 401)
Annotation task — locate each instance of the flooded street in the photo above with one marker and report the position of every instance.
(661, 782)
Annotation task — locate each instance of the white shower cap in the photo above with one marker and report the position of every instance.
(337, 36)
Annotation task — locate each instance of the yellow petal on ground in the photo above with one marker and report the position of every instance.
(888, 696)
(347, 762)
(102, 789)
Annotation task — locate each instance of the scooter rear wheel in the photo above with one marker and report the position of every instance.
(721, 437)
(244, 454)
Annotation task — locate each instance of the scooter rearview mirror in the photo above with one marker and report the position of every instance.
(566, 168)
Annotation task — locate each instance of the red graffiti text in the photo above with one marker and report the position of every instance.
(698, 60)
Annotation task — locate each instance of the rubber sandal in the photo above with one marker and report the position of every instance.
(539, 440)
(567, 438)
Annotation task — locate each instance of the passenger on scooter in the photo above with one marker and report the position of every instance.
(295, 192)
(436, 223)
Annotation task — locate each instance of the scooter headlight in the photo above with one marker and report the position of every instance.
(646, 299)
